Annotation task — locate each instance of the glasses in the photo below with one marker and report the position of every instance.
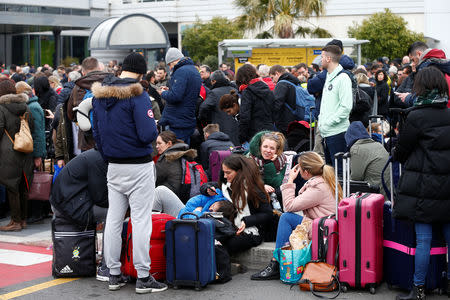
(272, 136)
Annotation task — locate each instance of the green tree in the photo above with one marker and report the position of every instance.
(387, 33)
(202, 39)
(284, 14)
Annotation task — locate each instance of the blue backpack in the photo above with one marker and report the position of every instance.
(303, 102)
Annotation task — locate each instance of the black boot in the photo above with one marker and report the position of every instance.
(417, 293)
(272, 271)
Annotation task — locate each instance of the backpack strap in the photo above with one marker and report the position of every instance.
(12, 141)
(292, 110)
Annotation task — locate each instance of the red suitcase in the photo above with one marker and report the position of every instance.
(361, 241)
(157, 240)
(325, 230)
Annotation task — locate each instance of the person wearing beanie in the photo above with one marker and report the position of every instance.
(124, 129)
(181, 95)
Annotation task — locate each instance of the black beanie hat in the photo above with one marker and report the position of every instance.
(134, 62)
(336, 43)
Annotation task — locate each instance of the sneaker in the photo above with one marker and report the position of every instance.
(149, 285)
(102, 273)
(116, 282)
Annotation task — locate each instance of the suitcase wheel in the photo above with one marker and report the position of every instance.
(372, 290)
(198, 289)
(344, 288)
(175, 287)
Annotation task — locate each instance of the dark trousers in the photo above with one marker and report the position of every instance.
(18, 202)
(242, 242)
(332, 145)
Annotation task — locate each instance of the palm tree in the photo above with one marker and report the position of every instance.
(284, 13)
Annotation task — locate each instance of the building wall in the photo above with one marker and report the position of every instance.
(437, 23)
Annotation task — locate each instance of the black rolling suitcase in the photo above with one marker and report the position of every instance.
(74, 253)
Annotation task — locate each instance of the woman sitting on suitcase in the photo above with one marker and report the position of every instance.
(266, 149)
(316, 199)
(242, 184)
(424, 187)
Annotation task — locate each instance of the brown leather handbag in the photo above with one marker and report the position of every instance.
(41, 186)
(320, 277)
(23, 141)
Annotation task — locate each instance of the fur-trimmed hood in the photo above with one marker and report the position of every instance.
(13, 98)
(15, 103)
(117, 91)
(178, 151)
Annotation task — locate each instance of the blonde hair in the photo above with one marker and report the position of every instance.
(313, 163)
(23, 87)
(54, 79)
(362, 78)
(211, 128)
(277, 137)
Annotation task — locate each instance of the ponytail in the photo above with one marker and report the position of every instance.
(330, 178)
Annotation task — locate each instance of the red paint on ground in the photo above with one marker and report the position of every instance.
(11, 274)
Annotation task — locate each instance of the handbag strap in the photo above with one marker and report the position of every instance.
(335, 280)
(12, 141)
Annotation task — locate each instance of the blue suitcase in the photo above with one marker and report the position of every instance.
(399, 244)
(190, 253)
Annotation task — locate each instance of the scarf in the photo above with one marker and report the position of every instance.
(244, 86)
(279, 162)
(432, 97)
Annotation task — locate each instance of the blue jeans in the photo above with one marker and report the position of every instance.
(183, 134)
(332, 145)
(424, 233)
(288, 222)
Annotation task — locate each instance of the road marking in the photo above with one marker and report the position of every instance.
(36, 288)
(22, 258)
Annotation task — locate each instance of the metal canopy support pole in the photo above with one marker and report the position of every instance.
(359, 54)
(57, 56)
(219, 53)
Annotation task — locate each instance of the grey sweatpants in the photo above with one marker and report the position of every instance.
(167, 201)
(134, 185)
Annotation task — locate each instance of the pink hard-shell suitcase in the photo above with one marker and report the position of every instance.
(361, 241)
(325, 238)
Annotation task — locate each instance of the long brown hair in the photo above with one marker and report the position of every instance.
(247, 184)
(313, 163)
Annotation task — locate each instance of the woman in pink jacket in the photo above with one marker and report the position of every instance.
(315, 199)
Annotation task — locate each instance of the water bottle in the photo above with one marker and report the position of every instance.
(275, 203)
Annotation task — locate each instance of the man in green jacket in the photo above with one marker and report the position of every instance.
(337, 102)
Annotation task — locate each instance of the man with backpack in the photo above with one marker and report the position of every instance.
(124, 129)
(337, 102)
(285, 97)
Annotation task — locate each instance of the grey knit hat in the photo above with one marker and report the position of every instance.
(173, 54)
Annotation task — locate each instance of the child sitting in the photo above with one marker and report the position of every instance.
(210, 199)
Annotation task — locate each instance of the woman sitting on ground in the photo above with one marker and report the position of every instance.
(242, 184)
(315, 199)
(266, 149)
(169, 171)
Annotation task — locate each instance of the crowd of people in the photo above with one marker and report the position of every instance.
(144, 124)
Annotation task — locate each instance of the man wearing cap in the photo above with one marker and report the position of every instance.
(181, 95)
(124, 129)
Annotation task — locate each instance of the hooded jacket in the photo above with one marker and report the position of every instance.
(168, 167)
(255, 111)
(13, 164)
(204, 201)
(80, 185)
(210, 112)
(123, 123)
(181, 98)
(284, 94)
(66, 91)
(368, 157)
(424, 150)
(315, 84)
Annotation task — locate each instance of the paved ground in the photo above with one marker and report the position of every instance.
(25, 273)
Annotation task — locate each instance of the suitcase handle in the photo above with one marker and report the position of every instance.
(336, 190)
(189, 213)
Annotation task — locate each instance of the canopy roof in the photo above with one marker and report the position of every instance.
(261, 43)
(129, 32)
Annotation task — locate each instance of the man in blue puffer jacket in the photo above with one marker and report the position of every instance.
(181, 96)
(124, 129)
